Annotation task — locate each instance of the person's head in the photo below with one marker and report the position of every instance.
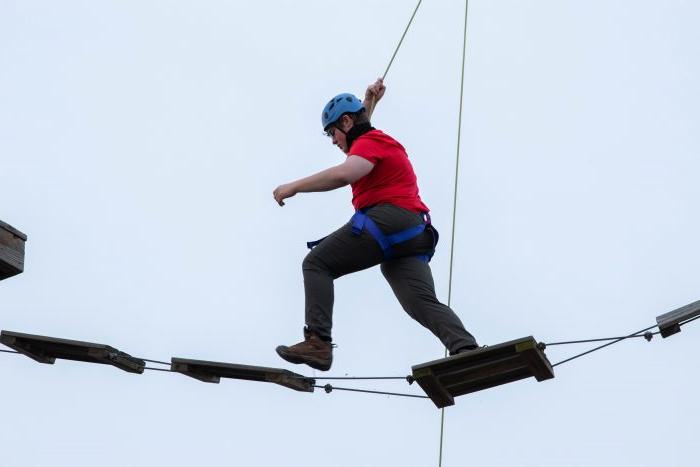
(339, 115)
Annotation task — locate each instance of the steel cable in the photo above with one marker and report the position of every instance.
(405, 378)
(602, 339)
(603, 346)
(328, 388)
(158, 369)
(153, 361)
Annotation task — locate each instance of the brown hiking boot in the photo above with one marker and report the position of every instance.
(313, 351)
(466, 349)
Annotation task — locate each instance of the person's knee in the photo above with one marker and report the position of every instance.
(310, 262)
(314, 262)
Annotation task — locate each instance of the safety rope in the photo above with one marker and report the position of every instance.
(459, 141)
(454, 203)
(401, 40)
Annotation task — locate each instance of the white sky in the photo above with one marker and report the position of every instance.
(139, 146)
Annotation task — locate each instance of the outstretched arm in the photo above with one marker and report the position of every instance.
(373, 94)
(354, 168)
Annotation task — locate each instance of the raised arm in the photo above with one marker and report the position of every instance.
(373, 94)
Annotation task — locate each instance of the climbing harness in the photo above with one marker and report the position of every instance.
(360, 222)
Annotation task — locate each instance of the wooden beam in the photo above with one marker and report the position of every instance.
(45, 349)
(211, 372)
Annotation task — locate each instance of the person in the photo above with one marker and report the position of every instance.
(391, 227)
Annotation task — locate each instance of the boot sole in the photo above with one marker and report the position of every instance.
(317, 364)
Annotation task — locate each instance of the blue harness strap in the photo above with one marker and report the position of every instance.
(312, 245)
(361, 221)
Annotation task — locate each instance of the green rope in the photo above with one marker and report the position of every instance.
(454, 203)
(401, 40)
(459, 140)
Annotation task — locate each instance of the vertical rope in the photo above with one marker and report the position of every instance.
(454, 202)
(459, 140)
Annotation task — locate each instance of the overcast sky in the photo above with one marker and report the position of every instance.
(140, 142)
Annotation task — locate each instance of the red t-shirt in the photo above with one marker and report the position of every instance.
(392, 180)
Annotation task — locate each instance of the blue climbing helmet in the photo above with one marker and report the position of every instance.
(339, 105)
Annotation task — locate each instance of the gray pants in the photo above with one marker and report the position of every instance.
(409, 277)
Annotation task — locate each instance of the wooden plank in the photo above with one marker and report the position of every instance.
(432, 387)
(509, 376)
(536, 360)
(211, 372)
(12, 230)
(11, 251)
(480, 369)
(45, 349)
(193, 372)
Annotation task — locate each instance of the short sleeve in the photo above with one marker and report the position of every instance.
(366, 149)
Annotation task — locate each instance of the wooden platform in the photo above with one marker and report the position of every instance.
(211, 372)
(444, 379)
(47, 349)
(11, 251)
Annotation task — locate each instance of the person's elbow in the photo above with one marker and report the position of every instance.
(346, 177)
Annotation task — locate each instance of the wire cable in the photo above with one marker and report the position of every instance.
(603, 346)
(602, 339)
(158, 369)
(328, 388)
(154, 361)
(405, 378)
(8, 351)
(401, 40)
(688, 321)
